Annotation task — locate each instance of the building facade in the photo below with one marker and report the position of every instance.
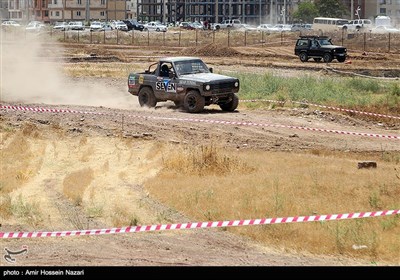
(172, 11)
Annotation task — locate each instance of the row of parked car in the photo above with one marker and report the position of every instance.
(122, 25)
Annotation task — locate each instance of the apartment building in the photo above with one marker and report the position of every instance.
(248, 11)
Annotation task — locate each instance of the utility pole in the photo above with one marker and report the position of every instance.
(271, 12)
(284, 11)
(352, 9)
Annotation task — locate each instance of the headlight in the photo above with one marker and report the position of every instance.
(208, 87)
(236, 84)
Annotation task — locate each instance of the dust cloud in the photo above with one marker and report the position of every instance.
(27, 75)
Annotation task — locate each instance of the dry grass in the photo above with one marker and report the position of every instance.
(203, 160)
(15, 158)
(285, 184)
(75, 184)
(121, 217)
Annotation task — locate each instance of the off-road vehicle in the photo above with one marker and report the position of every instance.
(187, 81)
(319, 48)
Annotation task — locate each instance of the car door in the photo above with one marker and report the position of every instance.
(166, 81)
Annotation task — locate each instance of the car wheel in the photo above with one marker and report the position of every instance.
(231, 105)
(317, 59)
(194, 102)
(146, 97)
(341, 59)
(327, 57)
(303, 57)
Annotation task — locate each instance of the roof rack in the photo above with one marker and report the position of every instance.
(313, 36)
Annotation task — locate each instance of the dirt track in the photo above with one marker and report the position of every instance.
(58, 136)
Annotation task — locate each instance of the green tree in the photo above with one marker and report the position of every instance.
(331, 8)
(306, 12)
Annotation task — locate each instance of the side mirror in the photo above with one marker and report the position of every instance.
(211, 69)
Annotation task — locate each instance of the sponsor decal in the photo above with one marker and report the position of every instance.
(166, 85)
(192, 83)
(141, 79)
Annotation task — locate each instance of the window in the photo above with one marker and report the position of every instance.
(55, 2)
(78, 13)
(103, 2)
(57, 14)
(43, 3)
(79, 2)
(382, 11)
(46, 13)
(102, 14)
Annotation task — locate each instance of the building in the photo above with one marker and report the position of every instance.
(248, 11)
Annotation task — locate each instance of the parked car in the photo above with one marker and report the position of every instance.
(186, 25)
(281, 27)
(198, 25)
(34, 26)
(75, 25)
(96, 26)
(119, 25)
(106, 26)
(265, 27)
(301, 27)
(10, 23)
(385, 29)
(133, 25)
(248, 27)
(155, 26)
(60, 25)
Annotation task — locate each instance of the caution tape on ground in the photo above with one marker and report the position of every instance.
(322, 106)
(197, 225)
(397, 137)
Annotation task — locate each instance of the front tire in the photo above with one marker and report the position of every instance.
(327, 57)
(194, 102)
(231, 105)
(147, 98)
(341, 59)
(303, 57)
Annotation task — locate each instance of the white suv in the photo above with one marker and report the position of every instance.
(358, 24)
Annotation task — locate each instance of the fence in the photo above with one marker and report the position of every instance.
(389, 42)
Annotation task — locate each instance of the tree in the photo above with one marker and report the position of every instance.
(306, 12)
(331, 8)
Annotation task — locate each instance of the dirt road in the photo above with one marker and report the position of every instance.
(95, 133)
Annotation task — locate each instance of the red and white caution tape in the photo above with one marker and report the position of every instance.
(323, 106)
(217, 224)
(207, 121)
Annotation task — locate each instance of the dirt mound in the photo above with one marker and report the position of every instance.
(211, 50)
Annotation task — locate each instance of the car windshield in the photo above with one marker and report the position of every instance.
(324, 42)
(191, 67)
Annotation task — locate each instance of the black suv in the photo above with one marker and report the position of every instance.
(319, 47)
(133, 25)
